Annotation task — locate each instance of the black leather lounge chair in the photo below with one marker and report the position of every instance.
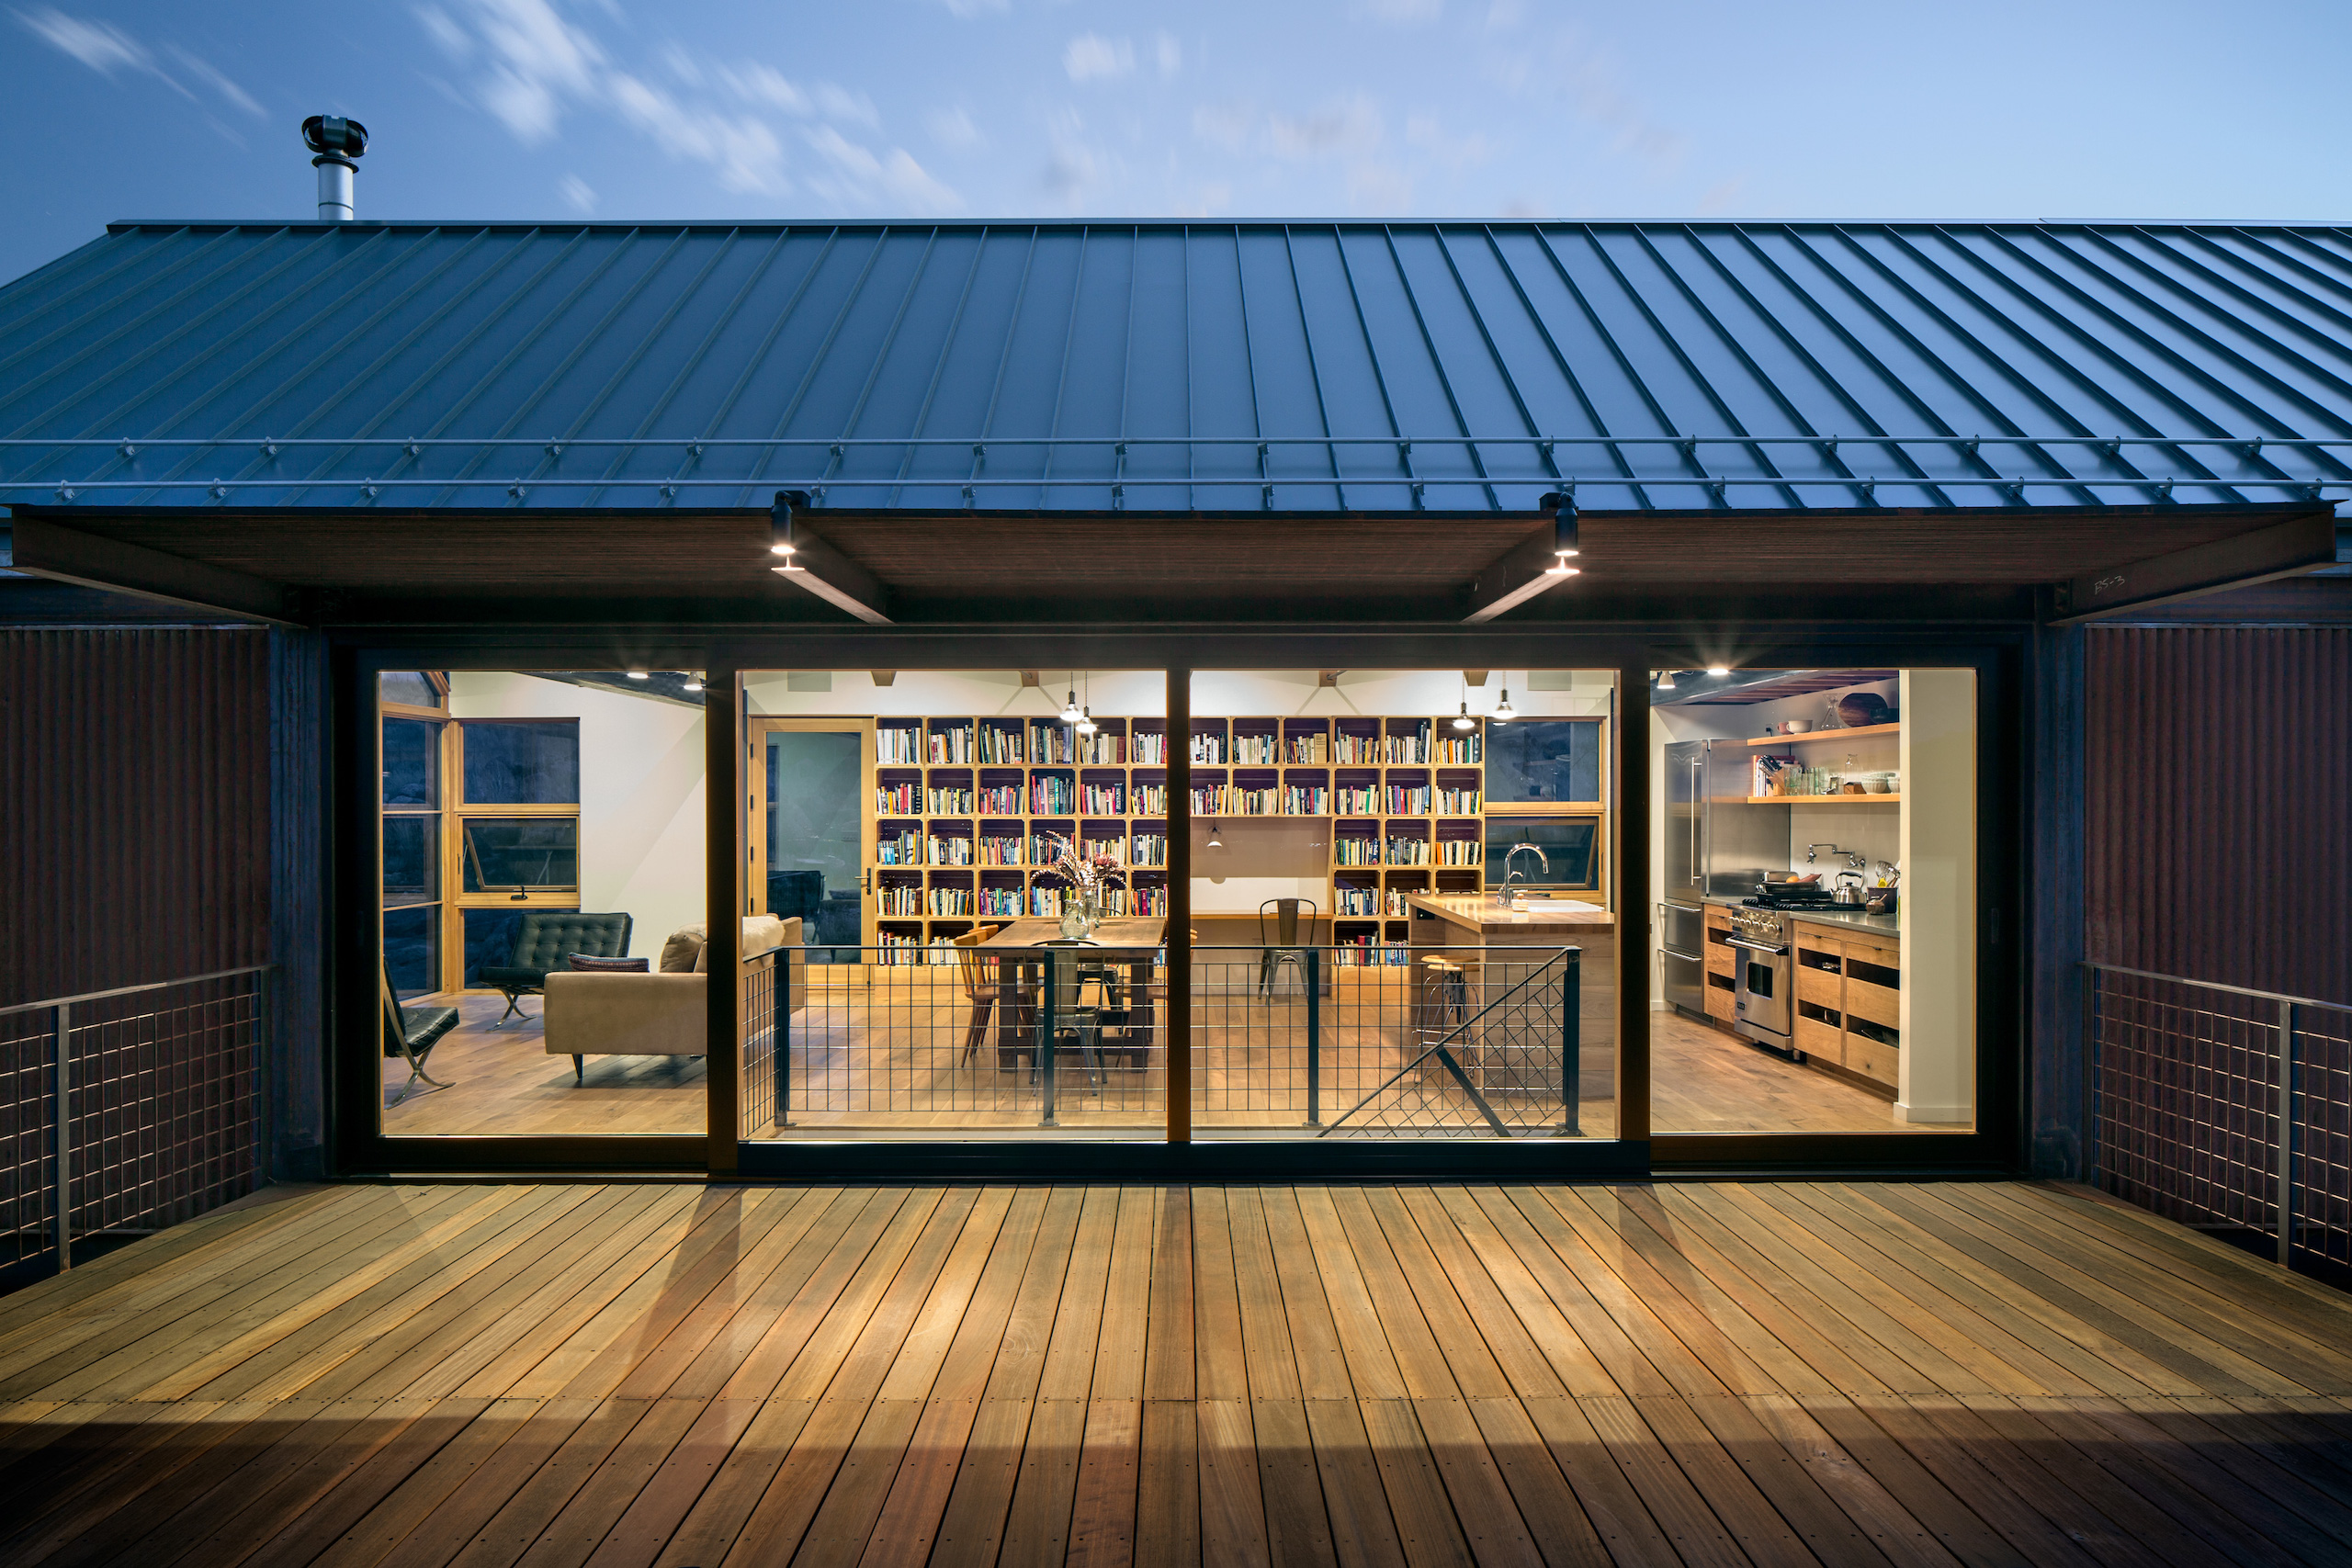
(549, 938)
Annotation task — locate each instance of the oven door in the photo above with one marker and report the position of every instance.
(1767, 974)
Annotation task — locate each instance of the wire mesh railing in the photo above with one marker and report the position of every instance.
(1295, 1040)
(127, 1110)
(2225, 1108)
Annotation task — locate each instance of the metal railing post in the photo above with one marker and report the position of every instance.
(1046, 1036)
(1314, 957)
(63, 1075)
(2286, 1131)
(1571, 1042)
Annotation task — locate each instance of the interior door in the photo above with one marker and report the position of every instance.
(812, 838)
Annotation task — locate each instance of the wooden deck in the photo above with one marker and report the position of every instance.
(548, 1375)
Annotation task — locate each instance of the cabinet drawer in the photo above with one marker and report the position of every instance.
(1820, 1042)
(1875, 1062)
(1721, 959)
(1875, 950)
(1879, 1004)
(1721, 1002)
(1820, 987)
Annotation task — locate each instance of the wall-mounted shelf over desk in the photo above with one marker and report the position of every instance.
(1859, 732)
(1825, 800)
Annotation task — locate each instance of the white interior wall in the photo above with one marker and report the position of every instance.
(642, 846)
(1144, 694)
(1938, 903)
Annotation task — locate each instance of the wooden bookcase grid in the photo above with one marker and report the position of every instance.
(965, 808)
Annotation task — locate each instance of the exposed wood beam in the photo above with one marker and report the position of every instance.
(1519, 576)
(2284, 549)
(68, 555)
(834, 578)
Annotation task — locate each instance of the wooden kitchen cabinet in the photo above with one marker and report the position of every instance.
(1723, 967)
(1849, 999)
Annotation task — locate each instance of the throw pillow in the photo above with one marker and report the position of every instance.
(678, 953)
(583, 963)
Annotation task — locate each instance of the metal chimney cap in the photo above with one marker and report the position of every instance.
(333, 136)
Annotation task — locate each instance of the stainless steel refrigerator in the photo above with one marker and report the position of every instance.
(1716, 845)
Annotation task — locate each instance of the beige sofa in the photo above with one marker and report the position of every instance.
(664, 1013)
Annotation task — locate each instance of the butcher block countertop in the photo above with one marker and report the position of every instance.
(1481, 913)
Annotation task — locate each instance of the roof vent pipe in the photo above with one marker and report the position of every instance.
(337, 141)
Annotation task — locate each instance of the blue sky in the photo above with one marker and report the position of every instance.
(1675, 109)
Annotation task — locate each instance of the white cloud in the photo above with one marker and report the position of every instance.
(1344, 130)
(1226, 125)
(841, 104)
(757, 84)
(1424, 132)
(743, 151)
(1092, 57)
(454, 41)
(101, 46)
(858, 176)
(1170, 53)
(953, 128)
(1380, 188)
(576, 194)
(237, 97)
(1076, 163)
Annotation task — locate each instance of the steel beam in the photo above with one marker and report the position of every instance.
(1520, 574)
(68, 555)
(2284, 549)
(831, 576)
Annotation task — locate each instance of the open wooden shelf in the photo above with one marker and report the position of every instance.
(1824, 799)
(1861, 732)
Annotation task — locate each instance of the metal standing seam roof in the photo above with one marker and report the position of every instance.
(1182, 367)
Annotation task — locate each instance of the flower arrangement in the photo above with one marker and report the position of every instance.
(1089, 876)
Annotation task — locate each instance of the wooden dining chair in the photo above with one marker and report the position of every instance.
(979, 985)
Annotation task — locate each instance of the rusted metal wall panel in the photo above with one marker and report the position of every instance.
(2218, 840)
(134, 807)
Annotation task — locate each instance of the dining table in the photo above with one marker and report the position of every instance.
(1020, 949)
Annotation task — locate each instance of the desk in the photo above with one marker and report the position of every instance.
(1133, 941)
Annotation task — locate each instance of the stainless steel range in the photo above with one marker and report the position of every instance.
(1765, 979)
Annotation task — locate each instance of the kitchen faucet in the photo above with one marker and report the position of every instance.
(1508, 855)
(1853, 859)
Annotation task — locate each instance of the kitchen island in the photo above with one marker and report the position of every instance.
(1463, 927)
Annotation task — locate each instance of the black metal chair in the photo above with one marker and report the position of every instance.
(1286, 948)
(411, 1033)
(1067, 977)
(547, 941)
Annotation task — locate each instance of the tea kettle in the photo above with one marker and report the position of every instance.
(1849, 889)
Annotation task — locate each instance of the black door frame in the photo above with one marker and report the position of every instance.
(356, 1147)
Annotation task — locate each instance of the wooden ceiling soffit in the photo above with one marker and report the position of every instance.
(90, 560)
(2284, 549)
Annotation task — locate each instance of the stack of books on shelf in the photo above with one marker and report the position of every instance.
(899, 849)
(941, 951)
(1209, 800)
(898, 745)
(1052, 743)
(1254, 749)
(1004, 901)
(898, 948)
(1356, 800)
(1409, 851)
(950, 800)
(952, 745)
(1460, 749)
(1257, 801)
(1408, 800)
(897, 799)
(1149, 849)
(1347, 748)
(1359, 901)
(951, 900)
(1413, 746)
(1054, 795)
(1305, 749)
(1355, 851)
(1151, 800)
(1101, 800)
(998, 744)
(1044, 848)
(1208, 748)
(1306, 800)
(1148, 749)
(950, 851)
(1397, 909)
(900, 900)
(996, 849)
(1460, 851)
(1457, 802)
(1095, 848)
(999, 800)
(1103, 745)
(1046, 901)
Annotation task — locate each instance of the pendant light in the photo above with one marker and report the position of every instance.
(1563, 535)
(694, 681)
(1666, 679)
(1719, 670)
(1503, 713)
(1086, 710)
(780, 541)
(1462, 719)
(1215, 841)
(1072, 712)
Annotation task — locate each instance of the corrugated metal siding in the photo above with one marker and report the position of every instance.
(2218, 845)
(1451, 354)
(134, 842)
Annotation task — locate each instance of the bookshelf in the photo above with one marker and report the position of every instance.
(963, 807)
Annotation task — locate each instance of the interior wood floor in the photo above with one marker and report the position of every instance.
(1675, 1374)
(506, 1084)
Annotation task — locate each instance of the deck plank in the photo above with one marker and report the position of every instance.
(582, 1375)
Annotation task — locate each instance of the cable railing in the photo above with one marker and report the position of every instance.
(2227, 1107)
(126, 1110)
(1344, 1041)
